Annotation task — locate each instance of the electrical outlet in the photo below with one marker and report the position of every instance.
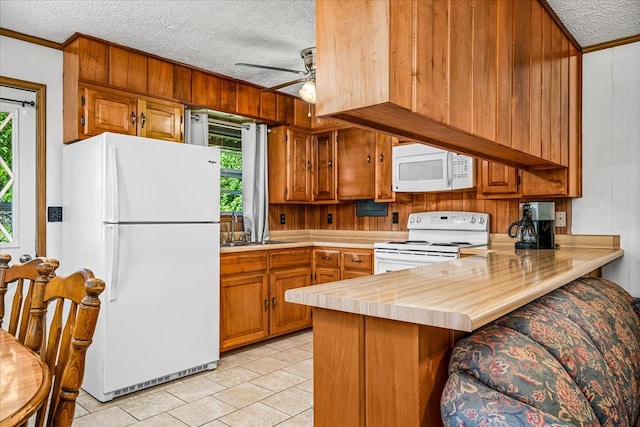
(394, 218)
(329, 218)
(283, 218)
(561, 219)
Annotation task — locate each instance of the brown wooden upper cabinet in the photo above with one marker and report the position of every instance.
(104, 110)
(325, 169)
(496, 80)
(290, 166)
(364, 165)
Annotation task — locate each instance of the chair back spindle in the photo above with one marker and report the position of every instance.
(24, 276)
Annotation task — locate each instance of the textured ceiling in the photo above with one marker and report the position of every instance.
(214, 35)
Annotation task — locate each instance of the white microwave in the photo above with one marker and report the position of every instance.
(422, 168)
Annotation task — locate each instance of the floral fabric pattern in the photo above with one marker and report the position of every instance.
(571, 357)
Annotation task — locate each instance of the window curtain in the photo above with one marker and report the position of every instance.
(255, 203)
(198, 133)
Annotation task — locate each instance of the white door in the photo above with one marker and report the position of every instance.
(18, 215)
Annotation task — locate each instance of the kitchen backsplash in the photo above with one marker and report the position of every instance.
(343, 216)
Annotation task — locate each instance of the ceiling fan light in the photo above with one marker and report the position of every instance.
(308, 92)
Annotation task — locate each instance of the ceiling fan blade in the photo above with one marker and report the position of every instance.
(280, 86)
(266, 67)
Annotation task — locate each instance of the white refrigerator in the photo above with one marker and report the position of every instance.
(144, 216)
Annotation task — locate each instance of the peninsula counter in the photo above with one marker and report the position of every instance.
(382, 343)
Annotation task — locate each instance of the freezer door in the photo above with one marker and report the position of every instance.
(160, 312)
(148, 180)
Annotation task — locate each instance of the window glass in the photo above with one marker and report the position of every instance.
(230, 142)
(6, 177)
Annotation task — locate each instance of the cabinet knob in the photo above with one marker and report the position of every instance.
(356, 260)
(143, 120)
(308, 165)
(369, 158)
(330, 164)
(266, 304)
(381, 157)
(274, 301)
(133, 118)
(326, 258)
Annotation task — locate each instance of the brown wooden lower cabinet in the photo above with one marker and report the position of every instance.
(374, 372)
(252, 287)
(332, 264)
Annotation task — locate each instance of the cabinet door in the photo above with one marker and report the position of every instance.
(286, 316)
(299, 167)
(324, 167)
(244, 309)
(326, 265)
(357, 263)
(325, 275)
(160, 120)
(107, 112)
(383, 169)
(356, 148)
(497, 179)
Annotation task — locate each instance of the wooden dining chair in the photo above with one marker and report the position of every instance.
(24, 275)
(73, 306)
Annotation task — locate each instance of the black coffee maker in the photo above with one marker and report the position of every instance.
(536, 228)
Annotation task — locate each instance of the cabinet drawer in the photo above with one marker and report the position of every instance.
(326, 258)
(290, 258)
(357, 260)
(243, 262)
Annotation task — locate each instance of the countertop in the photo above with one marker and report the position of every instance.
(463, 294)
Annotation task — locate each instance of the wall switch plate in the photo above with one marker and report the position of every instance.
(394, 218)
(329, 218)
(561, 219)
(283, 218)
(54, 214)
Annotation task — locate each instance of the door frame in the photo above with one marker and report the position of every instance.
(41, 156)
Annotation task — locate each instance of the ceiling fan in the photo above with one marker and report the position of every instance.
(308, 90)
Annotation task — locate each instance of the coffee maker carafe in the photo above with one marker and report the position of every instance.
(536, 228)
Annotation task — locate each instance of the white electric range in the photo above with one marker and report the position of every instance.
(433, 237)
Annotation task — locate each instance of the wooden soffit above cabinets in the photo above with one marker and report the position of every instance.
(495, 80)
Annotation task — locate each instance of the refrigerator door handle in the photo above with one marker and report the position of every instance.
(113, 178)
(112, 263)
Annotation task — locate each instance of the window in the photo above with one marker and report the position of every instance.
(228, 138)
(6, 177)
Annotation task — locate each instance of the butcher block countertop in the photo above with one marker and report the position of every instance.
(467, 293)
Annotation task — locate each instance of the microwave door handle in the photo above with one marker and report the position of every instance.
(450, 169)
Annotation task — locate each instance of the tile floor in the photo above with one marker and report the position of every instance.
(266, 384)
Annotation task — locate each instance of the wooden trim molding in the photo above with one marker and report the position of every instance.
(30, 39)
(612, 43)
(41, 157)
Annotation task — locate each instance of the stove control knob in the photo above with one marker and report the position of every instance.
(412, 219)
(473, 220)
(481, 220)
(419, 219)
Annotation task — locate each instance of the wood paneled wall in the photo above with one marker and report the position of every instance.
(503, 213)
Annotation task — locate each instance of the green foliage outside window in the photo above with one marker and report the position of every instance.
(231, 181)
(6, 154)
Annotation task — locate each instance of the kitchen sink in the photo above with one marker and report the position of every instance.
(267, 242)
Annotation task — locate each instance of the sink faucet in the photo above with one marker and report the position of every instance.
(234, 221)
